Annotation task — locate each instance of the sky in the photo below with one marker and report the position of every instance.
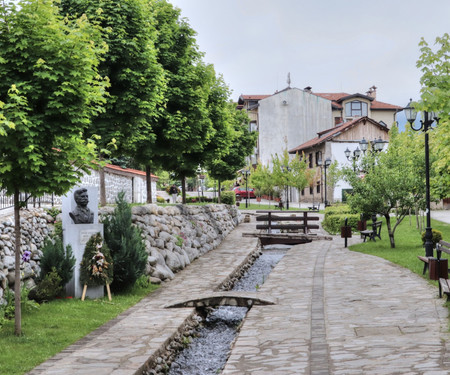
(332, 46)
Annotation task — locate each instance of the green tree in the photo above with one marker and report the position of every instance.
(126, 246)
(392, 181)
(225, 160)
(435, 96)
(184, 126)
(49, 90)
(136, 95)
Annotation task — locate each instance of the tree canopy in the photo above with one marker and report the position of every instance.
(50, 88)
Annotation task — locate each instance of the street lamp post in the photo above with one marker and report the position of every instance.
(246, 172)
(287, 169)
(425, 125)
(326, 165)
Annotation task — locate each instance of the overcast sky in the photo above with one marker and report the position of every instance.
(332, 46)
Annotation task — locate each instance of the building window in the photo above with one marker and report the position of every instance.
(318, 157)
(355, 108)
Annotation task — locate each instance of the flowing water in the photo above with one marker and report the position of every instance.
(208, 352)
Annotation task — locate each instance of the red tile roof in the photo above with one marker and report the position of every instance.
(336, 98)
(128, 170)
(329, 134)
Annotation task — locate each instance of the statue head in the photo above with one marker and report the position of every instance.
(81, 197)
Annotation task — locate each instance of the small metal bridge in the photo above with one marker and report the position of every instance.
(216, 299)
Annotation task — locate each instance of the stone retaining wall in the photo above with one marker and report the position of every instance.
(174, 236)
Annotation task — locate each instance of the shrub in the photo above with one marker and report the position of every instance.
(228, 197)
(333, 223)
(437, 236)
(49, 288)
(126, 245)
(58, 258)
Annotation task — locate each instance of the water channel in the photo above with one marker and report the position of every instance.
(208, 351)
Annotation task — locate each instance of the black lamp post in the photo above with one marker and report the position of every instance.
(425, 125)
(286, 188)
(326, 165)
(245, 173)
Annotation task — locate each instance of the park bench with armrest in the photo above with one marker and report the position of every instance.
(372, 233)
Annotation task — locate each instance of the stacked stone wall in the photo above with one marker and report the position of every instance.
(174, 236)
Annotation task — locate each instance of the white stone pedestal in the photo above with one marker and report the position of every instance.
(77, 235)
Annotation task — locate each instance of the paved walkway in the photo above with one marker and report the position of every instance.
(337, 312)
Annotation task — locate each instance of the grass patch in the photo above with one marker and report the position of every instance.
(56, 325)
(408, 244)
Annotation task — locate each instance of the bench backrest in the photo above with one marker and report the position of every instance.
(443, 246)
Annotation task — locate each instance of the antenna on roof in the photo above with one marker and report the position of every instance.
(289, 80)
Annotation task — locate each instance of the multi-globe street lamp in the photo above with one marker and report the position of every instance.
(425, 125)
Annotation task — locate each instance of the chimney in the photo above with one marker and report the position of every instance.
(372, 92)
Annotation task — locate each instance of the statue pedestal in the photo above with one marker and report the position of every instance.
(77, 235)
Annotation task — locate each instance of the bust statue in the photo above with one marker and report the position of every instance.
(82, 214)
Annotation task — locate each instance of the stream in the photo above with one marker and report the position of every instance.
(209, 350)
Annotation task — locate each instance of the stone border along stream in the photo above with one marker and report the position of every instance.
(161, 361)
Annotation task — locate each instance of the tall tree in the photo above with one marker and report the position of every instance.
(49, 90)
(435, 96)
(137, 80)
(184, 126)
(225, 161)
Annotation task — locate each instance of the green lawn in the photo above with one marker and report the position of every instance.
(56, 325)
(408, 244)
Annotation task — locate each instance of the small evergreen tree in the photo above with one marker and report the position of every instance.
(127, 248)
(96, 267)
(58, 258)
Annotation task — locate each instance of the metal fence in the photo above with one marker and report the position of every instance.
(7, 201)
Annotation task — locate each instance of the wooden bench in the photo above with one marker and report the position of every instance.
(441, 246)
(372, 233)
(444, 285)
(272, 221)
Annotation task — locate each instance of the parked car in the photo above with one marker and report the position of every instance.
(241, 192)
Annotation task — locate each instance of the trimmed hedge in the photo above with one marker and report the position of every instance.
(335, 218)
(333, 223)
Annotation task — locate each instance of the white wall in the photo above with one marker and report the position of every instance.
(288, 119)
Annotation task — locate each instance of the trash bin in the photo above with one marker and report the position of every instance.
(438, 269)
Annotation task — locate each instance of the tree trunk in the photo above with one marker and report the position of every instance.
(219, 200)
(391, 233)
(17, 305)
(148, 179)
(183, 189)
(101, 175)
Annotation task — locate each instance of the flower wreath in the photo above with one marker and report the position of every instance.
(96, 267)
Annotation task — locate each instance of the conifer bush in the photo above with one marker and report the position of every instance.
(55, 256)
(126, 245)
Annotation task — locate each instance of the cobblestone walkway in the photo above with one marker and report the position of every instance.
(337, 312)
